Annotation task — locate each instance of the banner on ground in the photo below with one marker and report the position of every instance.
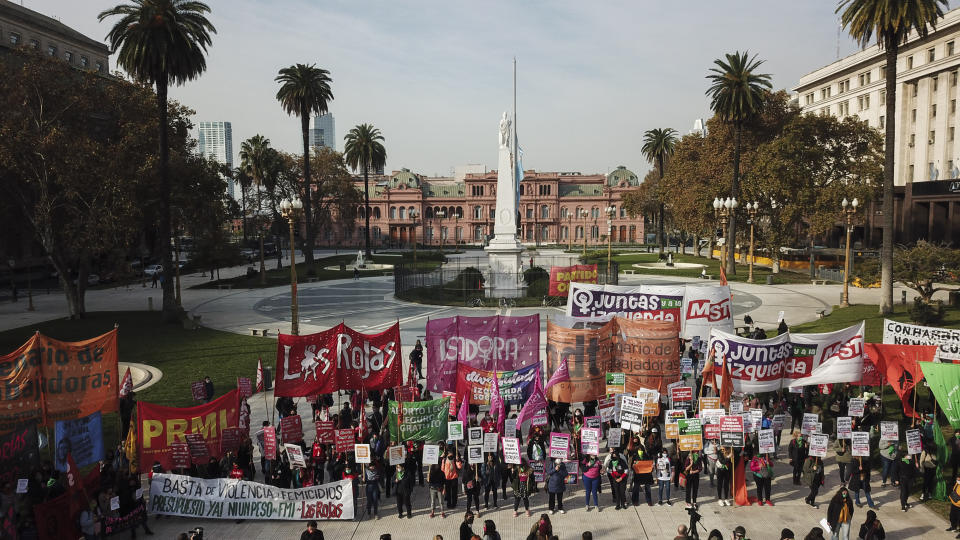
(46, 380)
(338, 359)
(947, 340)
(486, 343)
(225, 498)
(418, 420)
(158, 427)
(83, 438)
(515, 386)
(944, 379)
(562, 276)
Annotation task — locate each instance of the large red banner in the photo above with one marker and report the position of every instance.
(338, 359)
(562, 276)
(159, 427)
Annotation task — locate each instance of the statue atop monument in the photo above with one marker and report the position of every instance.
(505, 125)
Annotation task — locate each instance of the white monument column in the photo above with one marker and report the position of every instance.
(504, 251)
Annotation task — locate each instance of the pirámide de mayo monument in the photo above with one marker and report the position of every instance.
(504, 279)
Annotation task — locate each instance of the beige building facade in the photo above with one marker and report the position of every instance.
(22, 27)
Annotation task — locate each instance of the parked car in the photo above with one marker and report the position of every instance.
(152, 269)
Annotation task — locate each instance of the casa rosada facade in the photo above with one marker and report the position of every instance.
(555, 208)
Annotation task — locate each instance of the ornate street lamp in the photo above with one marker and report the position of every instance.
(724, 210)
(413, 224)
(752, 212)
(291, 211)
(610, 212)
(849, 210)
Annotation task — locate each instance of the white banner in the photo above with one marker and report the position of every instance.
(511, 450)
(225, 498)
(947, 340)
(706, 307)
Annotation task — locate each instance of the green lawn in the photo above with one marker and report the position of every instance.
(628, 259)
(844, 317)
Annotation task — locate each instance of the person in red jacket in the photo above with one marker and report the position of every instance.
(236, 472)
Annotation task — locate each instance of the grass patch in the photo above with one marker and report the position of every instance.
(760, 273)
(869, 313)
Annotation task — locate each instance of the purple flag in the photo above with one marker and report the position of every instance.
(562, 374)
(464, 414)
(535, 404)
(496, 403)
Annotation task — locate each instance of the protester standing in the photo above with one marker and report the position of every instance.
(798, 450)
(664, 475)
(954, 497)
(860, 480)
(813, 477)
(908, 471)
(523, 486)
(762, 470)
(490, 478)
(840, 515)
(692, 468)
(591, 480)
(416, 358)
(642, 477)
(724, 475)
(843, 459)
(403, 483)
(556, 483)
(207, 389)
(371, 477)
(888, 462)
(471, 486)
(451, 472)
(928, 465)
(436, 481)
(616, 468)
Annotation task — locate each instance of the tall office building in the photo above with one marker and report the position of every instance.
(323, 132)
(216, 142)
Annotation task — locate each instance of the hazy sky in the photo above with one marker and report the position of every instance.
(435, 76)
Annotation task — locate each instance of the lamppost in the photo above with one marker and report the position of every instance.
(440, 214)
(291, 211)
(752, 212)
(570, 231)
(176, 262)
(849, 209)
(724, 210)
(413, 224)
(610, 211)
(583, 214)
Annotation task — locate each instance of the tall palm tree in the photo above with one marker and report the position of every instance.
(305, 91)
(891, 21)
(245, 181)
(254, 161)
(736, 94)
(162, 42)
(658, 145)
(363, 149)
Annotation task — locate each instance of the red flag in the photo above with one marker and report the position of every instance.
(260, 374)
(562, 374)
(126, 385)
(899, 365)
(707, 375)
(726, 384)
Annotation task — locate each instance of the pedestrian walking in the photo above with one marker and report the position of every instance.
(860, 480)
(928, 466)
(490, 530)
(466, 527)
(954, 497)
(872, 529)
(542, 529)
(813, 477)
(840, 515)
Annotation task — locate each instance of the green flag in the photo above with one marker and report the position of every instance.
(944, 380)
(418, 420)
(943, 457)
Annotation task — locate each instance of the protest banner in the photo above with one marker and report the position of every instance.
(646, 302)
(756, 419)
(158, 426)
(418, 420)
(344, 440)
(889, 431)
(126, 522)
(856, 406)
(681, 397)
(736, 407)
(593, 421)
(46, 380)
(515, 386)
(487, 343)
(631, 413)
(587, 352)
(686, 366)
(944, 379)
(947, 340)
(510, 426)
(337, 359)
(490, 441)
(747, 422)
(270, 442)
(180, 455)
(766, 442)
(455, 431)
(777, 422)
(295, 455)
(539, 471)
(198, 391)
(690, 434)
(291, 429)
(224, 498)
(844, 427)
(562, 276)
(860, 444)
(198, 446)
(559, 445)
(706, 307)
(453, 401)
(671, 430)
(539, 419)
(590, 441)
(606, 408)
(396, 454)
(474, 455)
(82, 438)
(711, 431)
(511, 450)
(19, 452)
(709, 403)
(324, 431)
(475, 436)
(914, 442)
(361, 453)
(731, 431)
(431, 454)
(230, 440)
(818, 445)
(645, 351)
(614, 437)
(244, 387)
(809, 424)
(616, 383)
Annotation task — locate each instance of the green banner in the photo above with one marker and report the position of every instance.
(419, 420)
(944, 379)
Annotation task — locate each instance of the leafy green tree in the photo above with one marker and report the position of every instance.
(244, 180)
(336, 198)
(256, 159)
(305, 91)
(688, 189)
(736, 93)
(891, 21)
(363, 149)
(658, 145)
(925, 267)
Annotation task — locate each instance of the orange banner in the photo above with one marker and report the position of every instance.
(646, 353)
(47, 380)
(588, 357)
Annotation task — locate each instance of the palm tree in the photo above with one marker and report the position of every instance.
(244, 180)
(891, 21)
(162, 42)
(736, 94)
(305, 90)
(254, 161)
(363, 149)
(658, 145)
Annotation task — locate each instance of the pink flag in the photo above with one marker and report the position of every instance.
(464, 414)
(562, 374)
(259, 374)
(496, 403)
(126, 385)
(536, 403)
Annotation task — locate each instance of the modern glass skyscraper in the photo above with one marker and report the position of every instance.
(323, 132)
(216, 142)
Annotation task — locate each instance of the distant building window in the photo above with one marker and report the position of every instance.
(529, 213)
(595, 213)
(14, 38)
(477, 191)
(544, 212)
(950, 133)
(931, 55)
(949, 48)
(910, 173)
(84, 62)
(68, 56)
(544, 189)
(52, 50)
(953, 78)
(882, 122)
(935, 80)
(953, 106)
(933, 111)
(883, 97)
(913, 116)
(99, 67)
(910, 65)
(933, 137)
(808, 98)
(913, 139)
(913, 90)
(35, 43)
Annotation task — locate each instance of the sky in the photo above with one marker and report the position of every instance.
(435, 76)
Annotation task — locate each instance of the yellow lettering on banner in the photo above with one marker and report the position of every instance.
(176, 428)
(206, 426)
(151, 430)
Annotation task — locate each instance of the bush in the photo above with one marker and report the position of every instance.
(469, 279)
(537, 280)
(926, 313)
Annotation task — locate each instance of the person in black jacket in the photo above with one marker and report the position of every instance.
(840, 512)
(872, 529)
(471, 485)
(466, 528)
(312, 532)
(908, 471)
(403, 481)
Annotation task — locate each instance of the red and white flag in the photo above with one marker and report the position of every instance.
(259, 374)
(126, 385)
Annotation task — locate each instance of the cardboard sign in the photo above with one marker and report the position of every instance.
(291, 429)
(295, 455)
(344, 440)
(590, 441)
(510, 426)
(818, 445)
(573, 472)
(731, 431)
(690, 434)
(197, 445)
(778, 422)
(181, 455)
(766, 441)
(397, 454)
(455, 430)
(230, 440)
(711, 431)
(198, 391)
(607, 408)
(844, 427)
(22, 485)
(681, 394)
(593, 421)
(756, 418)
(671, 430)
(736, 407)
(631, 413)
(616, 383)
(324, 431)
(747, 422)
(560, 445)
(475, 455)
(244, 387)
(361, 453)
(709, 403)
(431, 454)
(860, 444)
(614, 436)
(914, 444)
(889, 431)
(511, 450)
(856, 406)
(809, 425)
(539, 471)
(686, 366)
(490, 441)
(476, 436)
(270, 442)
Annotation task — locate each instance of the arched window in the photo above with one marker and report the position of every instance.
(579, 214)
(477, 212)
(544, 212)
(428, 213)
(393, 212)
(563, 233)
(460, 212)
(563, 212)
(360, 212)
(478, 233)
(544, 233)
(375, 233)
(579, 231)
(595, 212)
(594, 232)
(633, 233)
(376, 212)
(410, 211)
(403, 213)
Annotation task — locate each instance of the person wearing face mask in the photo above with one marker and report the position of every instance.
(591, 479)
(664, 475)
(556, 483)
(954, 497)
(617, 472)
(692, 468)
(451, 471)
(840, 515)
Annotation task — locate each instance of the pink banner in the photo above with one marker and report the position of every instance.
(494, 343)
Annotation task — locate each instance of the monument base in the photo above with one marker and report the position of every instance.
(504, 277)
